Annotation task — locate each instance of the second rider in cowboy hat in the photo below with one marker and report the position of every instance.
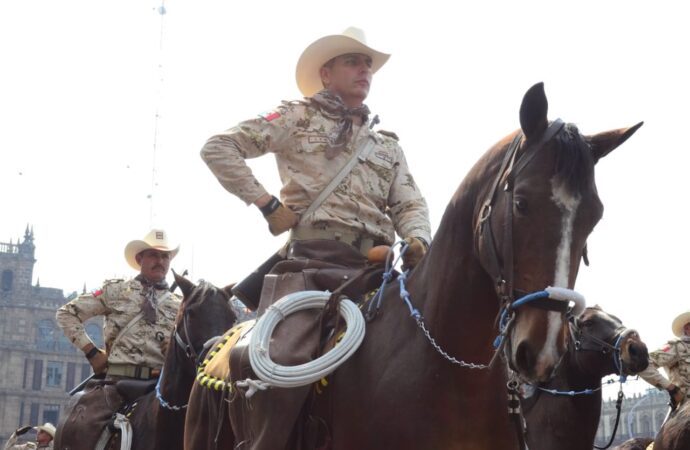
(139, 316)
(674, 357)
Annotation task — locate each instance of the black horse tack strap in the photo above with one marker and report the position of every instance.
(515, 412)
(500, 265)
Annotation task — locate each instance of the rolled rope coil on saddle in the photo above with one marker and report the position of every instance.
(272, 374)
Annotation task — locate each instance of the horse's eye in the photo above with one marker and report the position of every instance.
(521, 205)
(586, 323)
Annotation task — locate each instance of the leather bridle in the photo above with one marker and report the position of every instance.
(499, 264)
(184, 343)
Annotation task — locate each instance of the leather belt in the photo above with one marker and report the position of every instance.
(361, 243)
(130, 371)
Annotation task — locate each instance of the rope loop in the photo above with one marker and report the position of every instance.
(271, 374)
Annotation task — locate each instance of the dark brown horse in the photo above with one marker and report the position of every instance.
(675, 432)
(518, 222)
(600, 346)
(157, 420)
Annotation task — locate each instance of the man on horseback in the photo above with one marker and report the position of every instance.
(44, 438)
(346, 189)
(312, 139)
(674, 357)
(139, 316)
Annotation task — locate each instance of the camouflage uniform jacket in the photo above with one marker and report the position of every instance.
(377, 198)
(674, 357)
(119, 302)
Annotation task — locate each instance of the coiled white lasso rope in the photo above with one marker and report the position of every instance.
(273, 374)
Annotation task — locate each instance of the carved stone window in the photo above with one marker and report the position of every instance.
(6, 282)
(45, 339)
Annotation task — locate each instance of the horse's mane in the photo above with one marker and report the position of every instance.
(573, 159)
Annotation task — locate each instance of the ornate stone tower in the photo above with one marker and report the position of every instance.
(38, 364)
(17, 267)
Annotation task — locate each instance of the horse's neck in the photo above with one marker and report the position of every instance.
(178, 375)
(450, 287)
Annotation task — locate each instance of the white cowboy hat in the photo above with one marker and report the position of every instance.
(48, 428)
(679, 322)
(323, 50)
(156, 239)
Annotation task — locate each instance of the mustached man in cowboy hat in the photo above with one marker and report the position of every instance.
(44, 438)
(674, 357)
(138, 319)
(346, 189)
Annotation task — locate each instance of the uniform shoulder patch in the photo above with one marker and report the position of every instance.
(109, 282)
(390, 134)
(270, 115)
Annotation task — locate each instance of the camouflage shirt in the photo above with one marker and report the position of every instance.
(378, 198)
(674, 357)
(119, 302)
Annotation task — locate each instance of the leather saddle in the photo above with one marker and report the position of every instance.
(130, 390)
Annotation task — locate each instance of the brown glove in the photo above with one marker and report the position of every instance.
(416, 248)
(279, 218)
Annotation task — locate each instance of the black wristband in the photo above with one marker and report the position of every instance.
(91, 353)
(271, 206)
(423, 241)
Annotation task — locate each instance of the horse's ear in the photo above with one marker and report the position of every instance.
(533, 111)
(604, 143)
(185, 285)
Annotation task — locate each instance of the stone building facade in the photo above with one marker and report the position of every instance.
(641, 416)
(38, 365)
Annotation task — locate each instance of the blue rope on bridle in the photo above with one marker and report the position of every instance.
(375, 303)
(504, 320)
(160, 398)
(582, 392)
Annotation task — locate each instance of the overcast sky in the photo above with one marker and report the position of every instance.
(104, 107)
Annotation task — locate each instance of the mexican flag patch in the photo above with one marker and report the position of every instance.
(268, 116)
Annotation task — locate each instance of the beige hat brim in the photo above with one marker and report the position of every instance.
(323, 50)
(48, 428)
(680, 322)
(137, 246)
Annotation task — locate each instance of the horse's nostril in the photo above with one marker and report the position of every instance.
(525, 359)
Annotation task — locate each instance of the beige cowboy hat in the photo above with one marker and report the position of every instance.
(679, 322)
(156, 239)
(48, 428)
(323, 50)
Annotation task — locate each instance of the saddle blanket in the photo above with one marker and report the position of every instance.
(214, 372)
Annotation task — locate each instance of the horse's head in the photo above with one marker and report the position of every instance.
(205, 312)
(533, 225)
(603, 345)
